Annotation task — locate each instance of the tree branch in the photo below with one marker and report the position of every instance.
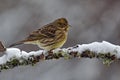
(104, 51)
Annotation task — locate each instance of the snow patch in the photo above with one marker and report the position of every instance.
(97, 47)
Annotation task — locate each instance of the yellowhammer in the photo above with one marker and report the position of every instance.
(50, 36)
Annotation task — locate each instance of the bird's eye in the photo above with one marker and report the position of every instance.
(61, 25)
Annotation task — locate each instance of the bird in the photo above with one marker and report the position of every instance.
(48, 37)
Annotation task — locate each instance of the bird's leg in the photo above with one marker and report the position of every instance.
(50, 54)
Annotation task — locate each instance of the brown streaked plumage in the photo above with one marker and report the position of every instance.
(48, 37)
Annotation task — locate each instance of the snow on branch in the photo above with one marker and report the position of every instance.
(104, 51)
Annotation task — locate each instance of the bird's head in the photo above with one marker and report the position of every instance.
(62, 23)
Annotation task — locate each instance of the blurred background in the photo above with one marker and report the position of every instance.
(91, 20)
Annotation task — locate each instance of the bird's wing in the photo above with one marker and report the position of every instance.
(46, 32)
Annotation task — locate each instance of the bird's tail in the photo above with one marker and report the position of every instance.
(17, 43)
